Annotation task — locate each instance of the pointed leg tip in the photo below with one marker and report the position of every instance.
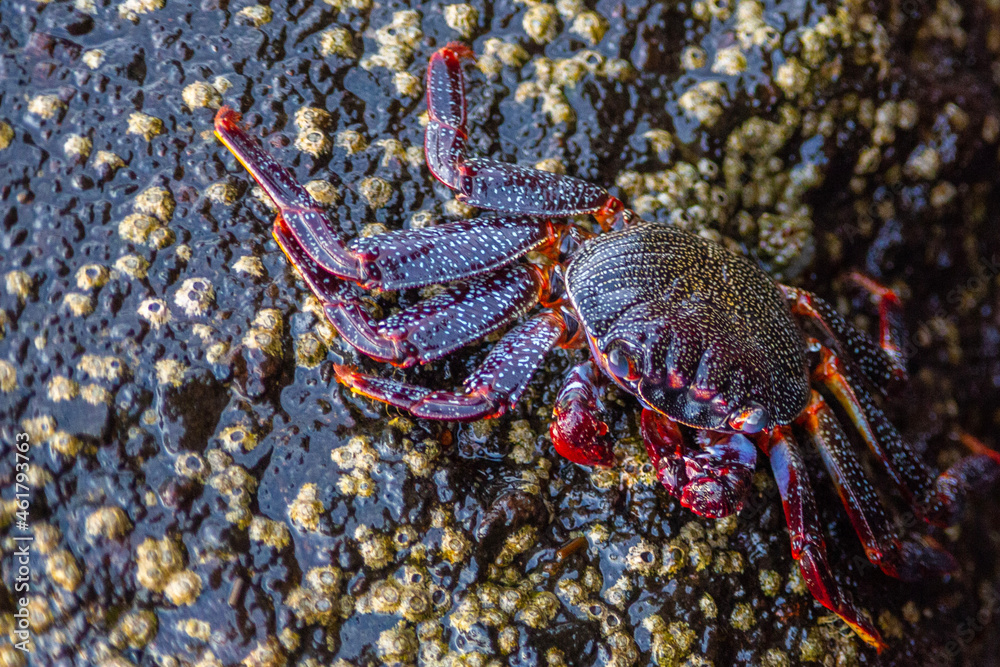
(227, 119)
(459, 51)
(345, 374)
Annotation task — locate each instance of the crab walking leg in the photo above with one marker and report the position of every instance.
(938, 498)
(489, 392)
(304, 218)
(463, 313)
(808, 547)
(712, 481)
(876, 364)
(890, 319)
(449, 252)
(577, 432)
(499, 186)
(904, 559)
(487, 183)
(327, 287)
(445, 137)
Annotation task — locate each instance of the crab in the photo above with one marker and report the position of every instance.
(723, 360)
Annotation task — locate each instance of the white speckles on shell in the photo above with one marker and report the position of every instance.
(692, 307)
(462, 249)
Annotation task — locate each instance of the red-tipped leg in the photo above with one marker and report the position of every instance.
(712, 481)
(907, 559)
(489, 392)
(311, 226)
(939, 499)
(890, 319)
(808, 547)
(488, 184)
(463, 313)
(876, 364)
(445, 137)
(499, 186)
(577, 432)
(449, 252)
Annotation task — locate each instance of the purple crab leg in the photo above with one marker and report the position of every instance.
(904, 559)
(304, 218)
(577, 432)
(486, 183)
(808, 547)
(491, 390)
(449, 252)
(327, 287)
(445, 138)
(463, 313)
(890, 319)
(875, 363)
(939, 499)
(712, 481)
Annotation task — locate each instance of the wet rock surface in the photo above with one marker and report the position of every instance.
(200, 494)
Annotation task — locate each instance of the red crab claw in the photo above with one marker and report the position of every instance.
(712, 481)
(577, 433)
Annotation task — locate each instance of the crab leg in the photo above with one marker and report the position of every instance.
(491, 389)
(449, 252)
(890, 319)
(487, 183)
(446, 136)
(304, 218)
(876, 364)
(577, 432)
(712, 481)
(463, 313)
(904, 559)
(327, 287)
(938, 498)
(808, 547)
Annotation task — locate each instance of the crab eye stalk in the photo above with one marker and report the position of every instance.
(751, 419)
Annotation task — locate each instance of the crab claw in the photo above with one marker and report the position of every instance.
(577, 434)
(712, 481)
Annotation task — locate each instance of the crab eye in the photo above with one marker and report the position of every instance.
(618, 362)
(751, 419)
(621, 364)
